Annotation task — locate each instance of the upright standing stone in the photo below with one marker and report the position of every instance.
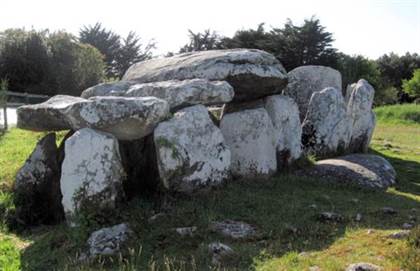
(305, 80)
(284, 114)
(92, 172)
(363, 118)
(252, 73)
(37, 187)
(326, 129)
(252, 141)
(191, 151)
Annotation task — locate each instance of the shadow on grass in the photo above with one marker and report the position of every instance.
(280, 208)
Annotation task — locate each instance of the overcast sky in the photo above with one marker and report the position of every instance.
(370, 27)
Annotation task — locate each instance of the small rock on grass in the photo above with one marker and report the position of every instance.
(234, 229)
(358, 217)
(363, 267)
(155, 217)
(399, 234)
(330, 217)
(389, 210)
(220, 252)
(186, 231)
(407, 226)
(108, 241)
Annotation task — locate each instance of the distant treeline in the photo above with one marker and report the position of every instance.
(60, 63)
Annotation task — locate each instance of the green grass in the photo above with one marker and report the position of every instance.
(399, 114)
(290, 236)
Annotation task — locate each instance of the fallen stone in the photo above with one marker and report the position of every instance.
(407, 226)
(364, 170)
(326, 129)
(178, 94)
(330, 217)
(389, 211)
(92, 173)
(37, 195)
(358, 217)
(363, 267)
(284, 115)
(234, 229)
(399, 234)
(186, 231)
(363, 118)
(220, 252)
(252, 141)
(109, 241)
(125, 118)
(191, 151)
(306, 80)
(252, 73)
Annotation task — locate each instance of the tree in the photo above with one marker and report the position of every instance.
(202, 41)
(353, 68)
(130, 52)
(119, 53)
(251, 39)
(412, 86)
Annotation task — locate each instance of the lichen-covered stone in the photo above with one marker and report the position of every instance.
(284, 114)
(363, 118)
(92, 172)
(326, 129)
(252, 73)
(191, 151)
(364, 170)
(234, 229)
(125, 118)
(37, 187)
(252, 141)
(305, 80)
(108, 241)
(177, 93)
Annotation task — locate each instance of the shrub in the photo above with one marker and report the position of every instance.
(412, 86)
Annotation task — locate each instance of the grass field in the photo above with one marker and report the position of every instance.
(290, 236)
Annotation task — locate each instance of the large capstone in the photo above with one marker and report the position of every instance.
(364, 170)
(326, 129)
(284, 114)
(252, 141)
(363, 118)
(305, 80)
(252, 73)
(92, 172)
(125, 118)
(177, 93)
(37, 187)
(191, 151)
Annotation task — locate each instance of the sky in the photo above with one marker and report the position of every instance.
(370, 27)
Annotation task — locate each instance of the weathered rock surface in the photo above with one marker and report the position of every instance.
(399, 234)
(365, 170)
(108, 241)
(306, 80)
(234, 229)
(326, 129)
(284, 114)
(92, 172)
(363, 267)
(186, 231)
(37, 187)
(251, 138)
(363, 118)
(252, 73)
(191, 151)
(220, 252)
(126, 118)
(177, 93)
(330, 217)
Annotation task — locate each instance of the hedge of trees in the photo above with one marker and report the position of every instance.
(61, 63)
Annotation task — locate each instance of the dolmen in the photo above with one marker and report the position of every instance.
(157, 128)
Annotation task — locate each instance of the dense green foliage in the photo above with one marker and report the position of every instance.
(48, 63)
(412, 86)
(120, 53)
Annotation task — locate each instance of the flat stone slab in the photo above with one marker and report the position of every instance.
(252, 73)
(234, 229)
(177, 93)
(365, 170)
(125, 118)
